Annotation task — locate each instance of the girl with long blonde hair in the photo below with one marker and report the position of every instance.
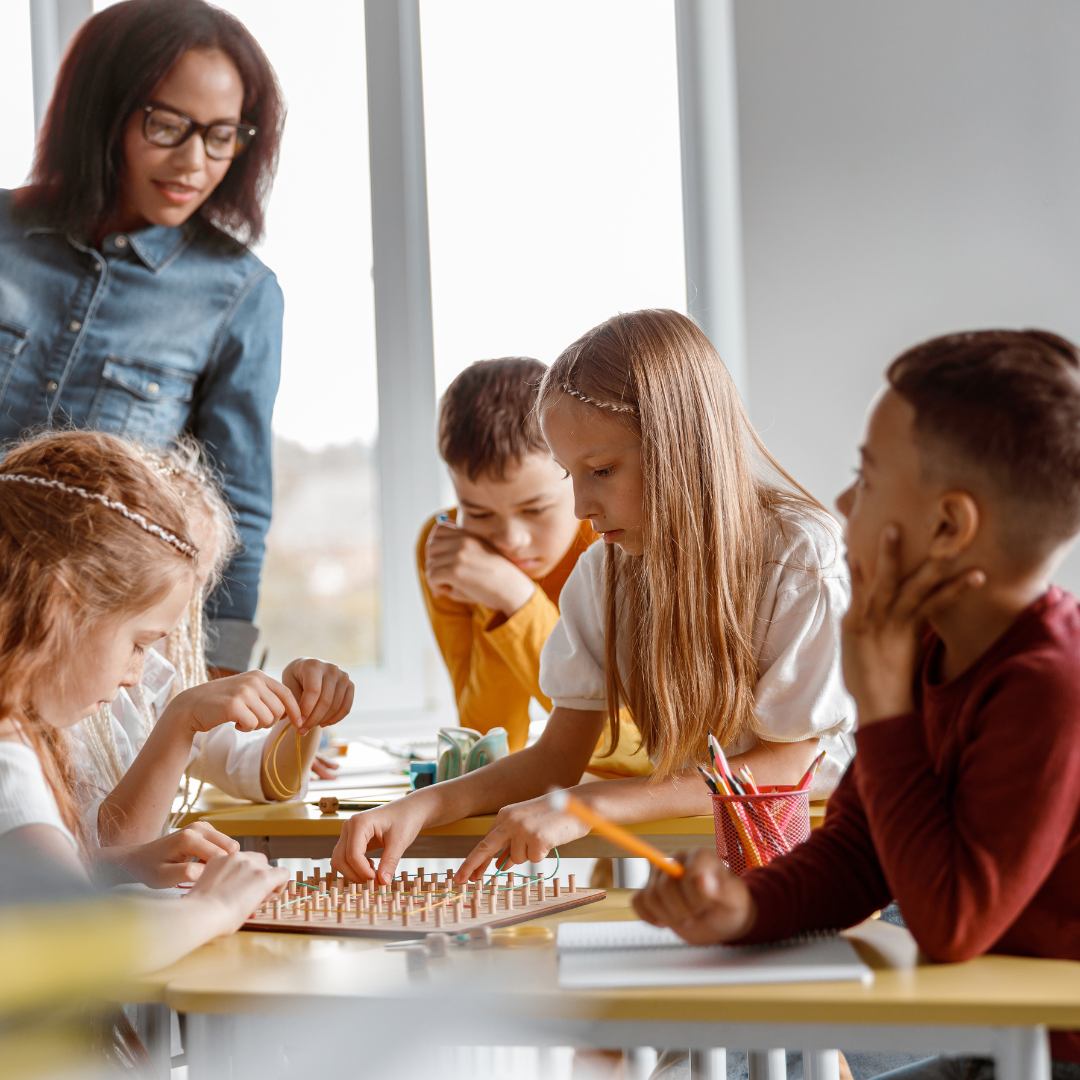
(96, 564)
(713, 606)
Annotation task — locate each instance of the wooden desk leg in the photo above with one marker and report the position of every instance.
(766, 1064)
(821, 1064)
(640, 1062)
(1021, 1054)
(708, 1065)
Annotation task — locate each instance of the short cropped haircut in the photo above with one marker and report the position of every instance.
(113, 64)
(487, 420)
(1003, 406)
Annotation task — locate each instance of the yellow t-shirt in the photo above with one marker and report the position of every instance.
(494, 662)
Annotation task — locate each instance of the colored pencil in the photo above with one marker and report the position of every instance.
(808, 776)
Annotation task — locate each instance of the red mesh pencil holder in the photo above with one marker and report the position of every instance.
(752, 830)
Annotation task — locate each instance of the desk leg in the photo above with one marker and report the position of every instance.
(765, 1064)
(1021, 1054)
(153, 1025)
(708, 1065)
(207, 1047)
(821, 1064)
(640, 1062)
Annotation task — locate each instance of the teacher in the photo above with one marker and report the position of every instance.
(129, 299)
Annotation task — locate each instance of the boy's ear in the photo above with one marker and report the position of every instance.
(957, 525)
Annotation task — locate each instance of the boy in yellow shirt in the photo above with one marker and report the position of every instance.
(492, 570)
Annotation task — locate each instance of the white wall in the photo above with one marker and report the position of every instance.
(909, 167)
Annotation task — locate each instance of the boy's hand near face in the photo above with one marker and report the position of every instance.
(882, 628)
(708, 904)
(466, 569)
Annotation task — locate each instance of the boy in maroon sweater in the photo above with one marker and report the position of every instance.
(963, 801)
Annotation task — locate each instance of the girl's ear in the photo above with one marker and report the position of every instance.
(958, 523)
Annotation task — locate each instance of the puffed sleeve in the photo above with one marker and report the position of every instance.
(572, 661)
(800, 692)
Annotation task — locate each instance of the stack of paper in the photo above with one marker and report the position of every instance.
(595, 955)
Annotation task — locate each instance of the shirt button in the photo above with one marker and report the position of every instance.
(51, 385)
(152, 388)
(120, 241)
(75, 325)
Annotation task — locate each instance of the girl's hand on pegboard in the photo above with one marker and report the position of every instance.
(392, 828)
(324, 691)
(526, 832)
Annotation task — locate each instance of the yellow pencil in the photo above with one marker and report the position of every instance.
(564, 802)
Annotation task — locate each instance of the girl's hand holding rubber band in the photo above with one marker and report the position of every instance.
(324, 692)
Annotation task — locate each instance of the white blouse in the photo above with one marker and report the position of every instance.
(800, 690)
(229, 759)
(25, 795)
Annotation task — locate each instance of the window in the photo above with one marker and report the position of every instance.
(554, 185)
(17, 95)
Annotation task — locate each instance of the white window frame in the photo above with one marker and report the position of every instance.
(410, 679)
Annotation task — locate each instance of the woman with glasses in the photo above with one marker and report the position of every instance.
(129, 298)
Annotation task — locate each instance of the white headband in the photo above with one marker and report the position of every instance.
(156, 530)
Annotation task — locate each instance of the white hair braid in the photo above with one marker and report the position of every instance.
(155, 530)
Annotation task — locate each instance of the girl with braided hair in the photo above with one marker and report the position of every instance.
(96, 564)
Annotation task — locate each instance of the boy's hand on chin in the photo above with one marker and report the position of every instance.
(464, 568)
(881, 631)
(708, 904)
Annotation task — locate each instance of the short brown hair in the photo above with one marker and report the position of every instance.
(487, 418)
(1004, 404)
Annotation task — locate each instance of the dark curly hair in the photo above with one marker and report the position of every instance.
(112, 66)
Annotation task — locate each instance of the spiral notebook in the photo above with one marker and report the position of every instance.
(601, 955)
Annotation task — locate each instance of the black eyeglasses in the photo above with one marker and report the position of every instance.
(168, 128)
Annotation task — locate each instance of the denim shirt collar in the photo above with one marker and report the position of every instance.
(156, 245)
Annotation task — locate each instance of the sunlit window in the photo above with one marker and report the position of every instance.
(16, 95)
(554, 189)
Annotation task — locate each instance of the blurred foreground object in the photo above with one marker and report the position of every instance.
(63, 949)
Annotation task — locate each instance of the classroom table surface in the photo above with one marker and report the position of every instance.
(256, 972)
(291, 825)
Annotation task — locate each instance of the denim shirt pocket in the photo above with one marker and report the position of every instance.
(142, 399)
(13, 340)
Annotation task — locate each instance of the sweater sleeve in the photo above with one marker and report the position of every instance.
(520, 639)
(832, 881)
(966, 859)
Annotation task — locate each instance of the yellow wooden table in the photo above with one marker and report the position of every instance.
(297, 830)
(254, 998)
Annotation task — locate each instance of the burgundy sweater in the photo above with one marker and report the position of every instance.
(966, 811)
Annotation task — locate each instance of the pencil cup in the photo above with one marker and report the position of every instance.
(752, 830)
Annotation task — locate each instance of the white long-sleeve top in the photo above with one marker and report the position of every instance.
(229, 759)
(800, 690)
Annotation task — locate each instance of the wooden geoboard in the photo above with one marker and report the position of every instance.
(414, 906)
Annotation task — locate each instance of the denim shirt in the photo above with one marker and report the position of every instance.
(160, 332)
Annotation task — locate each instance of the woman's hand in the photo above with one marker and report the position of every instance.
(880, 635)
(392, 828)
(230, 888)
(175, 859)
(324, 692)
(523, 832)
(250, 700)
(706, 905)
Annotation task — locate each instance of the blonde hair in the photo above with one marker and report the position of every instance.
(184, 467)
(68, 561)
(711, 504)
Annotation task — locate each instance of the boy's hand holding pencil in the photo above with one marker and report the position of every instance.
(705, 905)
